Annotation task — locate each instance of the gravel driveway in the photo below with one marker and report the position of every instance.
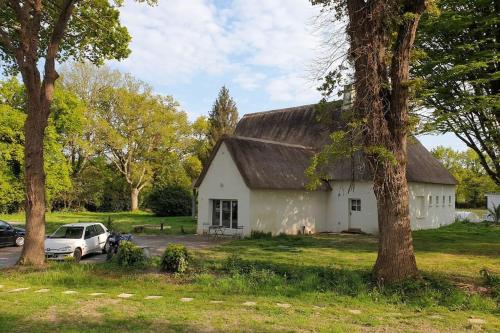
(156, 244)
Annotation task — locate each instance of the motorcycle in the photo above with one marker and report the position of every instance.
(113, 243)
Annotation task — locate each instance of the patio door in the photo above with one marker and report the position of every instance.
(225, 213)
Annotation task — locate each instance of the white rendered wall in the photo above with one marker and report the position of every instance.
(223, 181)
(435, 215)
(493, 200)
(422, 215)
(287, 211)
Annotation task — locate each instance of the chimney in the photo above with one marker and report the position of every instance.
(349, 95)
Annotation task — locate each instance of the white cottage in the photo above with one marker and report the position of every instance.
(255, 180)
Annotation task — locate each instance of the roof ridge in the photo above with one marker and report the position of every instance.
(278, 110)
(270, 141)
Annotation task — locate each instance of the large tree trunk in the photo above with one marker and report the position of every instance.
(33, 252)
(134, 199)
(382, 100)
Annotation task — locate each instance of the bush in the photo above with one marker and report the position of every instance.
(175, 259)
(130, 255)
(170, 201)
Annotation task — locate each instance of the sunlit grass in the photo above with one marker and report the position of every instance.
(122, 221)
(322, 278)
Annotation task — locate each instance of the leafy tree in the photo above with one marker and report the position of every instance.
(473, 181)
(12, 119)
(222, 118)
(137, 130)
(54, 30)
(201, 146)
(381, 35)
(458, 61)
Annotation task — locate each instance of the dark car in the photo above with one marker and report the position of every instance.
(10, 235)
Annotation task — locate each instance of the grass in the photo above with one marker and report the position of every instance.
(122, 221)
(322, 277)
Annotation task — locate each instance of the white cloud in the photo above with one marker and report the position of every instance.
(249, 80)
(292, 88)
(249, 41)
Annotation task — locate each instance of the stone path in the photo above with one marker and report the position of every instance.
(472, 321)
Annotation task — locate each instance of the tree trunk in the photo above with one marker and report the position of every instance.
(134, 199)
(33, 252)
(396, 259)
(383, 104)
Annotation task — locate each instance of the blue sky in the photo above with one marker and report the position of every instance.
(263, 51)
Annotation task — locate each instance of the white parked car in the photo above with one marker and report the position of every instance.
(76, 240)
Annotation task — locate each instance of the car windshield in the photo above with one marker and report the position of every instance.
(68, 232)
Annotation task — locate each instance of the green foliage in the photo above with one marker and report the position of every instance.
(473, 182)
(458, 63)
(130, 255)
(222, 118)
(170, 200)
(175, 259)
(57, 170)
(492, 280)
(97, 21)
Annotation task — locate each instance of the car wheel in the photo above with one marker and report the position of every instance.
(19, 241)
(107, 247)
(77, 255)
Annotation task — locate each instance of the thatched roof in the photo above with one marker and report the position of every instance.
(273, 149)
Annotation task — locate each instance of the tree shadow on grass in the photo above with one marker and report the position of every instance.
(19, 323)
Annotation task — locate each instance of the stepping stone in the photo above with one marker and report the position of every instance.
(97, 294)
(18, 289)
(249, 304)
(1, 286)
(356, 312)
(283, 305)
(124, 295)
(70, 292)
(42, 291)
(186, 299)
(476, 321)
(318, 307)
(436, 317)
(216, 302)
(153, 297)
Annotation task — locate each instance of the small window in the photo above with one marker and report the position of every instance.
(430, 200)
(420, 207)
(356, 205)
(449, 200)
(437, 200)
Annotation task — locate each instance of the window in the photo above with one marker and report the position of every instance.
(437, 200)
(449, 200)
(99, 229)
(444, 200)
(68, 233)
(4, 226)
(430, 200)
(420, 207)
(356, 205)
(225, 213)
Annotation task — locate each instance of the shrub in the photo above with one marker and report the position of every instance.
(175, 259)
(256, 234)
(170, 201)
(130, 255)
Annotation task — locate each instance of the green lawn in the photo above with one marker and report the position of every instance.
(122, 221)
(321, 282)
